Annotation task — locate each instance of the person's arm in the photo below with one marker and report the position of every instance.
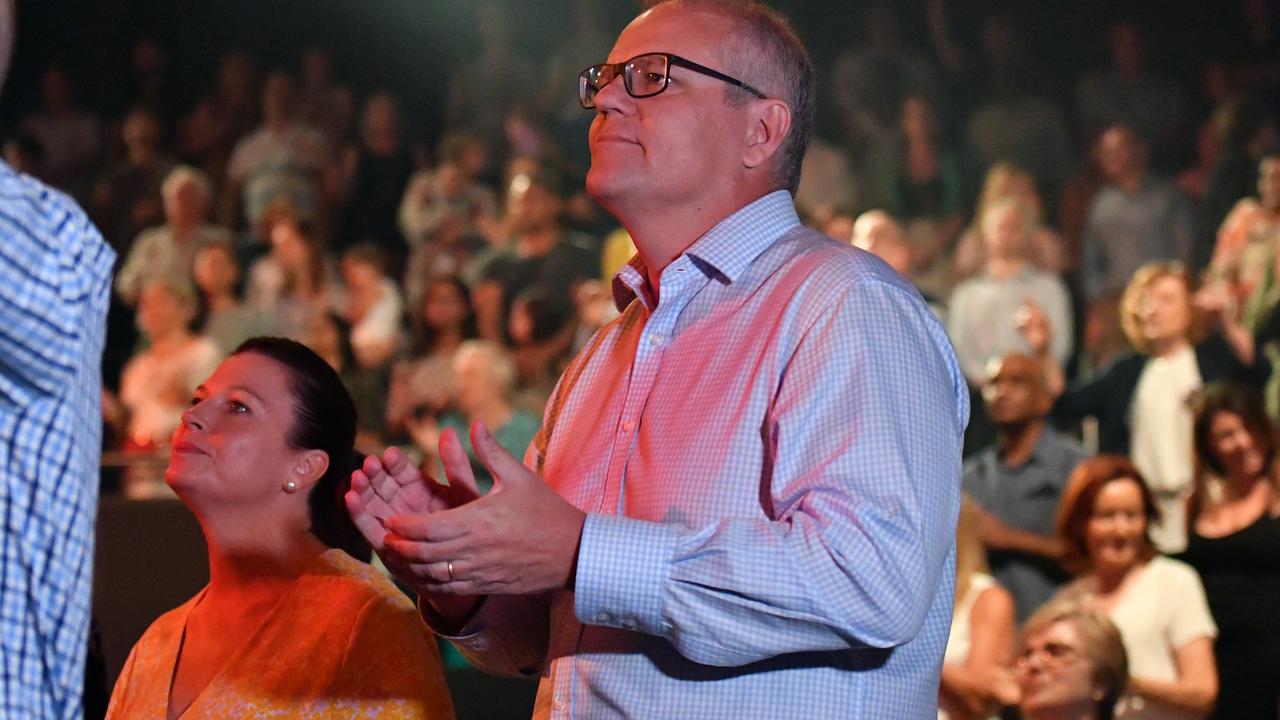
(998, 535)
(864, 436)
(983, 680)
(1195, 690)
(49, 274)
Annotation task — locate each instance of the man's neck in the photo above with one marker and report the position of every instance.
(1018, 442)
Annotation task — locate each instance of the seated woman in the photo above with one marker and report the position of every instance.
(1233, 531)
(1071, 664)
(290, 624)
(1157, 603)
(1141, 401)
(976, 670)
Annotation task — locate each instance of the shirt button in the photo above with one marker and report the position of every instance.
(629, 624)
(602, 617)
(655, 339)
(559, 703)
(480, 645)
(628, 426)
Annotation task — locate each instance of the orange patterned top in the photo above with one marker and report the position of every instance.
(343, 642)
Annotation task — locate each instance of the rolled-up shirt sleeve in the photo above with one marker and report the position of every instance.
(863, 435)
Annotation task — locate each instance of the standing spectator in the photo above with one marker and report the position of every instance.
(167, 251)
(1134, 219)
(1248, 133)
(1016, 483)
(55, 283)
(1157, 603)
(296, 281)
(1141, 401)
(1045, 249)
(541, 254)
(1071, 664)
(283, 158)
(1246, 256)
(984, 310)
(375, 174)
(127, 199)
(1234, 542)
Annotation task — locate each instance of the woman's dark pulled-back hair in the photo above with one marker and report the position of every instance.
(324, 418)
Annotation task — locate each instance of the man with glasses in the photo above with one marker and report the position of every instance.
(742, 501)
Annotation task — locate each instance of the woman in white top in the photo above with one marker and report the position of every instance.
(1157, 603)
(977, 673)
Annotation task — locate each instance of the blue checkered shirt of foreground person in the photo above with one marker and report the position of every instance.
(55, 279)
(770, 460)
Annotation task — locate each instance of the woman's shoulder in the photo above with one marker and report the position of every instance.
(1167, 572)
(343, 580)
(167, 629)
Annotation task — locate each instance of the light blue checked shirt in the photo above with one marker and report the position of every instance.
(770, 460)
(55, 278)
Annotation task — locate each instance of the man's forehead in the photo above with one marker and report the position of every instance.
(671, 28)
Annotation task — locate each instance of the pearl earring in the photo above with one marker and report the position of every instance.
(291, 487)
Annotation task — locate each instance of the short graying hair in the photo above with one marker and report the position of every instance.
(767, 54)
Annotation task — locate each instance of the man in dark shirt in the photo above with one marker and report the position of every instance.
(542, 256)
(1017, 483)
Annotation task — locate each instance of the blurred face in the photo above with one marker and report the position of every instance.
(381, 118)
(669, 148)
(530, 206)
(141, 132)
(1053, 672)
(915, 118)
(1269, 184)
(1164, 313)
(288, 246)
(476, 385)
(230, 447)
(1004, 231)
(876, 232)
(358, 275)
(185, 204)
(1126, 49)
(323, 337)
(1233, 446)
(1115, 534)
(215, 270)
(161, 311)
(839, 227)
(1022, 189)
(443, 306)
(1015, 391)
(520, 324)
(1119, 154)
(278, 98)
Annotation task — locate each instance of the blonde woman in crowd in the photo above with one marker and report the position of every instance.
(1071, 665)
(1007, 182)
(1157, 603)
(976, 670)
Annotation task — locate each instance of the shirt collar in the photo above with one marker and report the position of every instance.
(725, 250)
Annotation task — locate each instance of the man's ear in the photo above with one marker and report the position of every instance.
(769, 123)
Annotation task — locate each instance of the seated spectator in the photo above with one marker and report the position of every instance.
(1157, 603)
(282, 158)
(1045, 249)
(448, 201)
(166, 251)
(69, 134)
(541, 337)
(423, 382)
(1234, 542)
(1134, 218)
(209, 134)
(1015, 484)
(329, 336)
(540, 254)
(126, 200)
(1245, 256)
(976, 670)
(1141, 401)
(374, 176)
(296, 281)
(156, 384)
(1071, 664)
(225, 320)
(983, 312)
(374, 307)
(486, 380)
(878, 233)
(595, 308)
(322, 101)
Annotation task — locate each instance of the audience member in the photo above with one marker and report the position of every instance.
(983, 312)
(1045, 249)
(167, 251)
(423, 383)
(1248, 133)
(496, 78)
(1246, 254)
(374, 306)
(329, 336)
(323, 103)
(69, 135)
(541, 337)
(1234, 542)
(1141, 401)
(1134, 219)
(127, 199)
(1016, 483)
(1157, 603)
(296, 281)
(375, 174)
(1071, 665)
(877, 232)
(976, 670)
(540, 254)
(224, 319)
(210, 133)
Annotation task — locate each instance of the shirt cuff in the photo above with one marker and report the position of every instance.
(474, 633)
(623, 566)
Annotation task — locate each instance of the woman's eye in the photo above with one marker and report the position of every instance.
(194, 402)
(236, 406)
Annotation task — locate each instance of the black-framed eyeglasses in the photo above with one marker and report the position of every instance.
(644, 76)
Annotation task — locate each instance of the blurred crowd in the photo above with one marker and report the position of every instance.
(1107, 268)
